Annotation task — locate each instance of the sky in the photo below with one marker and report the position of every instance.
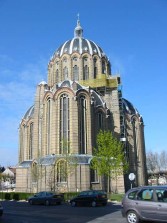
(132, 33)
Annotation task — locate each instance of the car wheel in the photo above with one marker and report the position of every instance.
(47, 203)
(132, 217)
(93, 204)
(104, 204)
(31, 202)
(73, 204)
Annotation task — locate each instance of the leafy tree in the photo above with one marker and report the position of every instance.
(109, 159)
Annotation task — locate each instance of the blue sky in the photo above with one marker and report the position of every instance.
(132, 33)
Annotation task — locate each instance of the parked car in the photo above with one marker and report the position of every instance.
(1, 209)
(90, 197)
(145, 203)
(46, 198)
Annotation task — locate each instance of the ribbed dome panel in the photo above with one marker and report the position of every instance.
(79, 45)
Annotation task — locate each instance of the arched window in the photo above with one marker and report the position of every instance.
(76, 73)
(64, 124)
(34, 172)
(100, 120)
(95, 67)
(82, 125)
(75, 59)
(57, 76)
(85, 72)
(21, 149)
(31, 141)
(64, 59)
(48, 124)
(62, 171)
(65, 73)
(103, 67)
(23, 142)
(135, 129)
(94, 178)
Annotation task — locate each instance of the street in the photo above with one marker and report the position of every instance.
(22, 212)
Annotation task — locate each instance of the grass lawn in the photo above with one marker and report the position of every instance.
(115, 197)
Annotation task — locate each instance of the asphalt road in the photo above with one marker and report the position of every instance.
(22, 212)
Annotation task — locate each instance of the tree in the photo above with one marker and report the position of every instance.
(64, 167)
(152, 160)
(163, 160)
(109, 159)
(37, 175)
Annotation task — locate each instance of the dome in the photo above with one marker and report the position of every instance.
(77, 59)
(79, 44)
(29, 113)
(129, 108)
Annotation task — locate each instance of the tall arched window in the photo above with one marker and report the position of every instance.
(57, 76)
(85, 72)
(82, 125)
(64, 124)
(76, 73)
(135, 129)
(62, 171)
(103, 67)
(65, 73)
(22, 143)
(31, 141)
(95, 67)
(100, 120)
(48, 124)
(34, 172)
(94, 178)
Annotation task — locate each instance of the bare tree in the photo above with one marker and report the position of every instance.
(163, 160)
(37, 175)
(152, 162)
(156, 162)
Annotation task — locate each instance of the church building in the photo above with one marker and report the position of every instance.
(58, 132)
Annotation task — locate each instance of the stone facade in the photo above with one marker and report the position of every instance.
(58, 133)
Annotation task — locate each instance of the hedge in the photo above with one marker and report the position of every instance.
(14, 195)
(67, 196)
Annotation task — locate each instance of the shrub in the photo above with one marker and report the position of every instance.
(16, 197)
(7, 196)
(69, 195)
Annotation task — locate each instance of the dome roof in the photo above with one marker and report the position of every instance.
(29, 113)
(129, 108)
(79, 44)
